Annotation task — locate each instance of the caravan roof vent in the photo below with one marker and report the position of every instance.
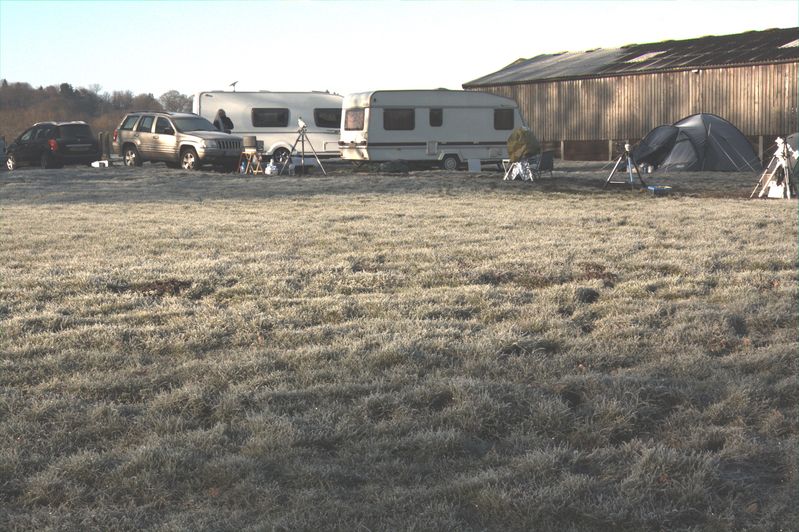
(644, 57)
(792, 44)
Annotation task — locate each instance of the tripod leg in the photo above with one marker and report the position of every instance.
(637, 171)
(759, 183)
(788, 180)
(615, 167)
(302, 153)
(768, 173)
(316, 156)
(630, 171)
(291, 152)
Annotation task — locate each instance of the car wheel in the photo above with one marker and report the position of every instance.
(189, 159)
(450, 162)
(280, 156)
(130, 156)
(11, 163)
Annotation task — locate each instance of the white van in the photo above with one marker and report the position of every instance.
(272, 117)
(427, 125)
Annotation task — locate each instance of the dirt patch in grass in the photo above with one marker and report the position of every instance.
(592, 271)
(159, 288)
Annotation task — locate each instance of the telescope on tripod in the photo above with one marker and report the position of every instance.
(626, 156)
(302, 138)
(778, 179)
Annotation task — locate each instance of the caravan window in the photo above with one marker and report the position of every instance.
(327, 117)
(353, 120)
(398, 119)
(436, 117)
(503, 118)
(270, 117)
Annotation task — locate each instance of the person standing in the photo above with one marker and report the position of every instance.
(222, 122)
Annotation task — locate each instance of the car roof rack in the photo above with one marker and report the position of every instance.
(171, 113)
(60, 123)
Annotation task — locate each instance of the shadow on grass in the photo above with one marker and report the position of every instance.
(154, 183)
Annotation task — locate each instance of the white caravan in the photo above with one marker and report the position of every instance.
(272, 117)
(427, 125)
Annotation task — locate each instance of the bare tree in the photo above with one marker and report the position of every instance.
(175, 101)
(145, 102)
(121, 99)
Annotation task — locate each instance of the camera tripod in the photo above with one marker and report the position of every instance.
(302, 138)
(626, 156)
(777, 175)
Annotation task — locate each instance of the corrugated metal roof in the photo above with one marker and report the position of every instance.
(754, 47)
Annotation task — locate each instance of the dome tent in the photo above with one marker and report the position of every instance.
(793, 140)
(656, 145)
(701, 142)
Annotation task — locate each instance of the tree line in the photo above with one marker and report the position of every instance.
(22, 105)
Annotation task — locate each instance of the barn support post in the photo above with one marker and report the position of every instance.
(760, 147)
(562, 150)
(610, 149)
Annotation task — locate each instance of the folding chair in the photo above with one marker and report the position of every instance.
(520, 170)
(250, 158)
(545, 162)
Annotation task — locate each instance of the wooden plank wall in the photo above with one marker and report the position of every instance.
(758, 99)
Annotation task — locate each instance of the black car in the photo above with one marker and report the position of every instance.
(54, 144)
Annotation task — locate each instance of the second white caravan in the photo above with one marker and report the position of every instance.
(443, 126)
(272, 118)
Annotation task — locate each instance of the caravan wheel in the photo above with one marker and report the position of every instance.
(450, 162)
(279, 156)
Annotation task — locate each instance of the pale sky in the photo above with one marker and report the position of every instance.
(340, 46)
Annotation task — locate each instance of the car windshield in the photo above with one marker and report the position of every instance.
(192, 123)
(74, 131)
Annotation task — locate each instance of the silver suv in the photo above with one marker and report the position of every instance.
(182, 140)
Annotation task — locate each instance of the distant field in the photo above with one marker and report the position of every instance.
(395, 352)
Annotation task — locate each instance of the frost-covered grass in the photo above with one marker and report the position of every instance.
(372, 352)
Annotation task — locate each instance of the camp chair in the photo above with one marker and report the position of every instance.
(545, 162)
(519, 170)
(250, 158)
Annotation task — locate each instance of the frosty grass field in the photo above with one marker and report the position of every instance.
(430, 351)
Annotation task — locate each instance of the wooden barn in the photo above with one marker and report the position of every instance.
(583, 104)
